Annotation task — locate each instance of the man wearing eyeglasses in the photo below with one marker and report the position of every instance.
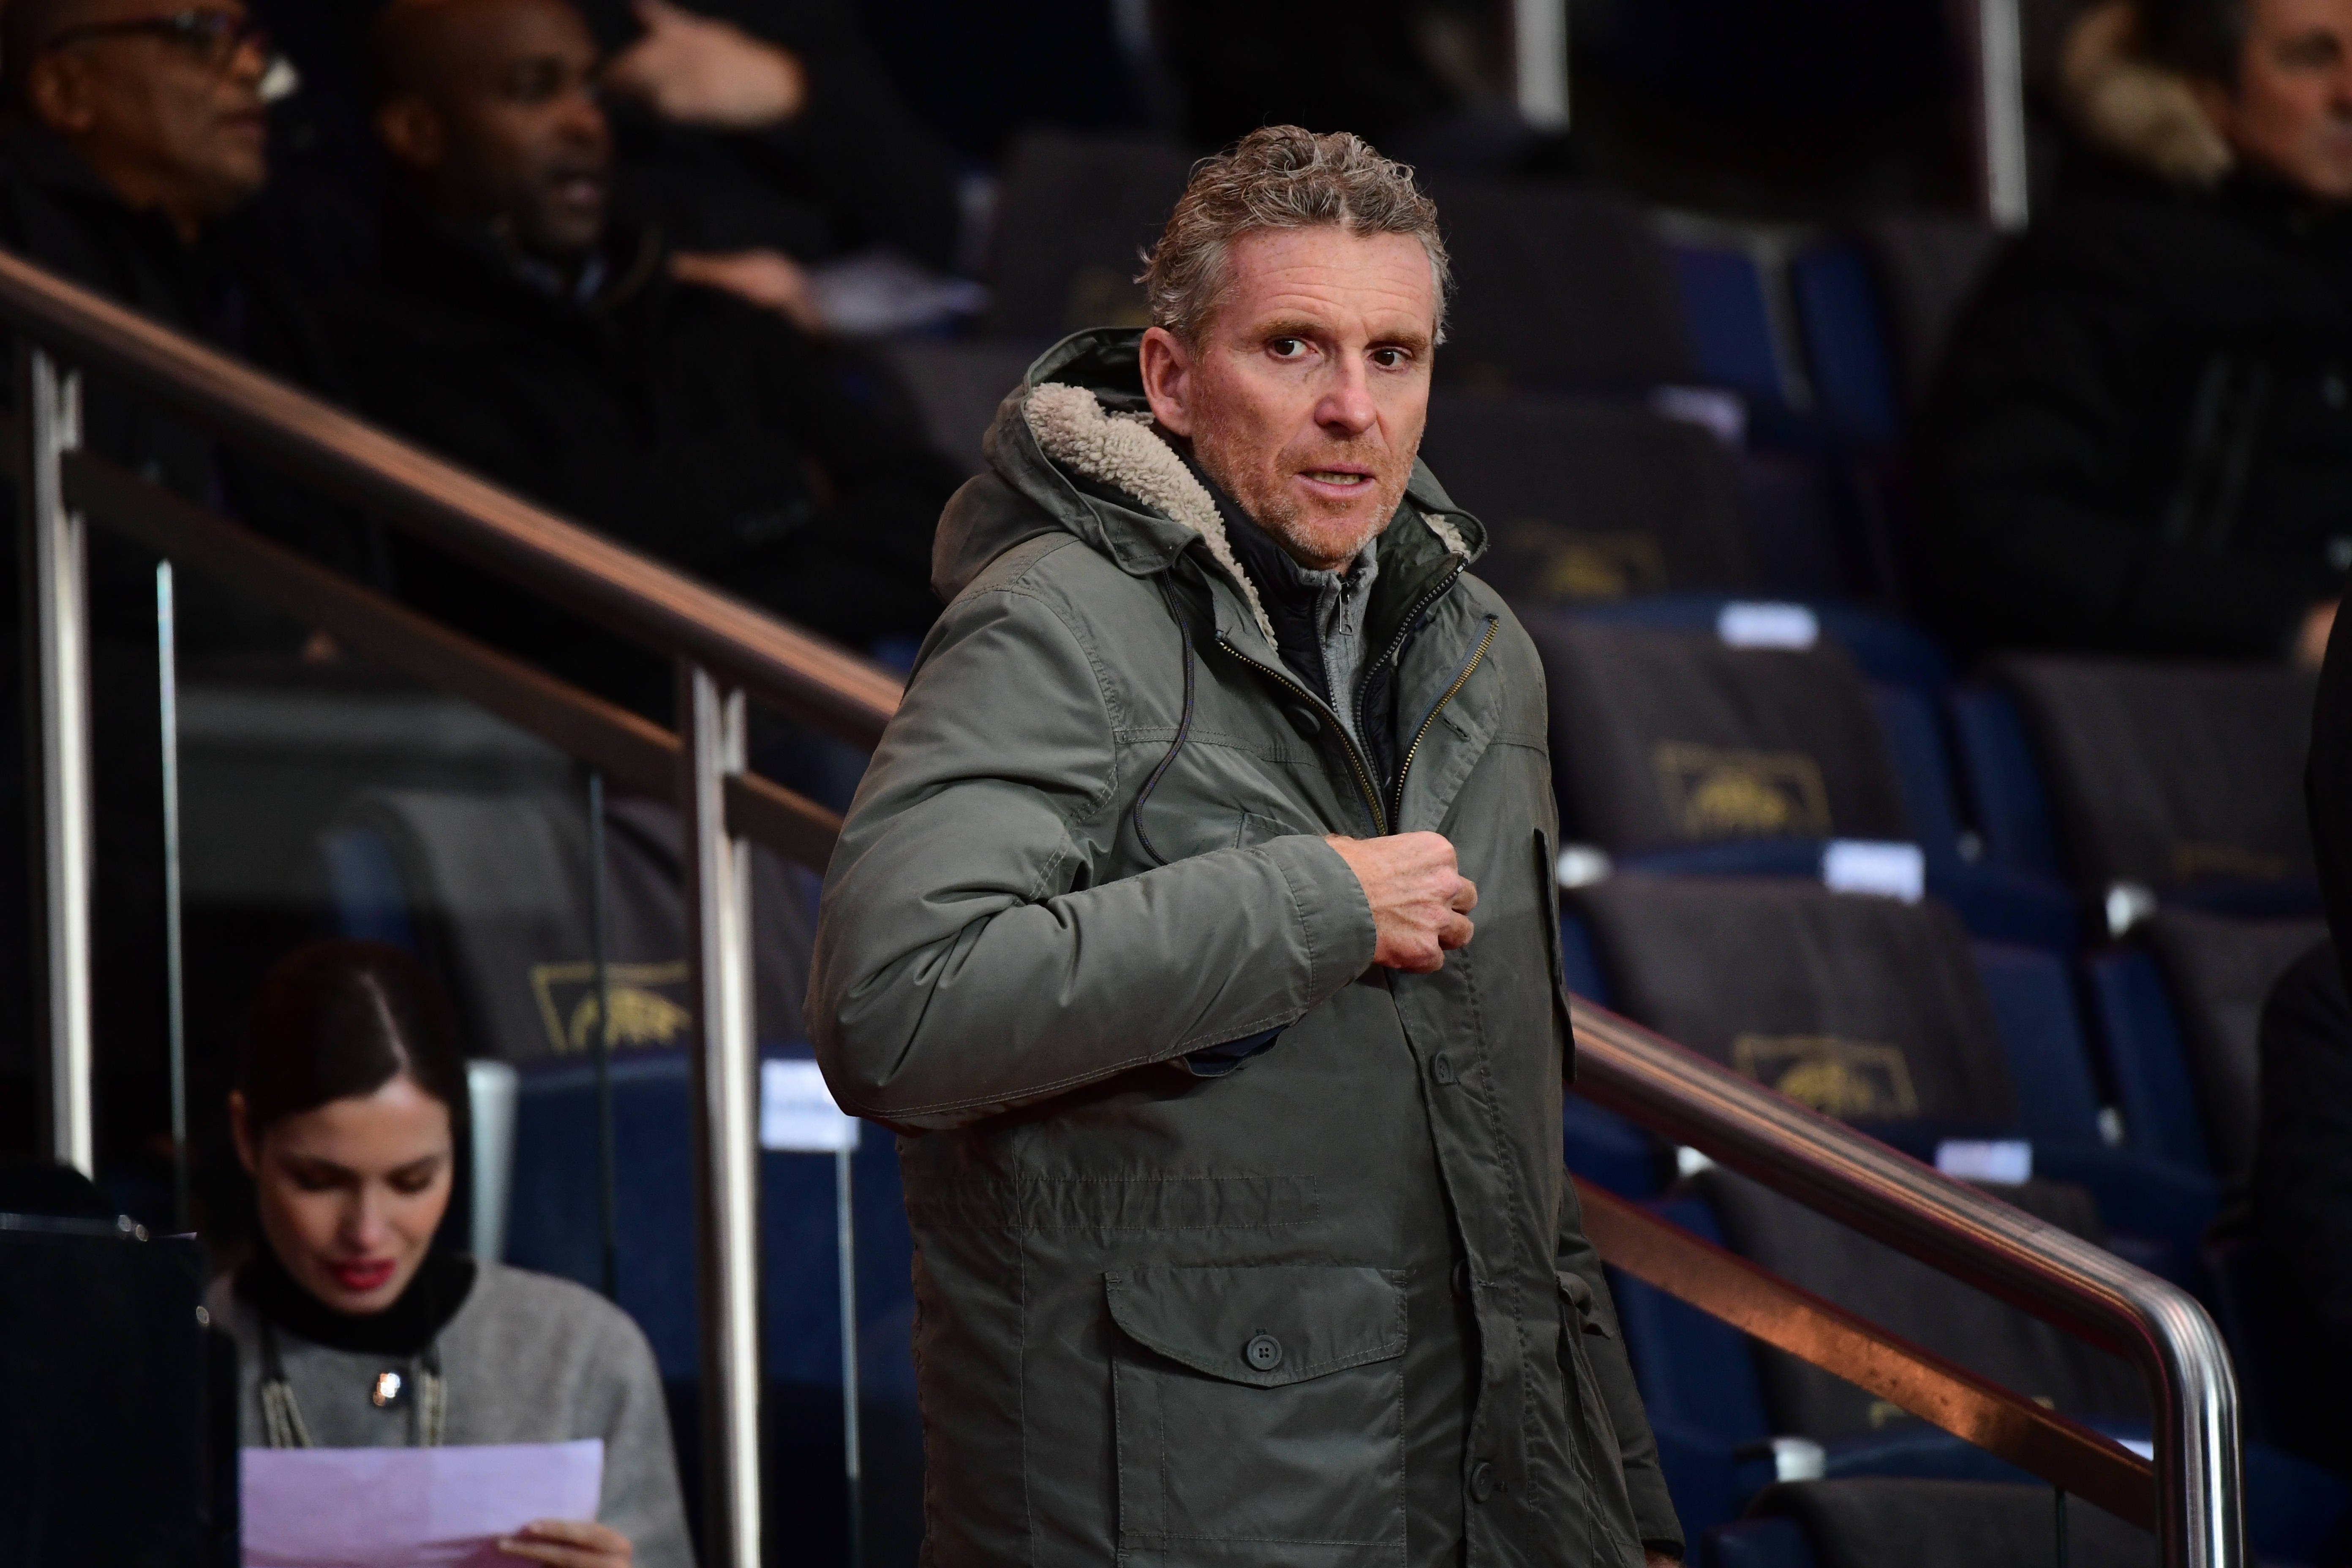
(132, 135)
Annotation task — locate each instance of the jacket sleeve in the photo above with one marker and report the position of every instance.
(1645, 1483)
(967, 959)
(2033, 458)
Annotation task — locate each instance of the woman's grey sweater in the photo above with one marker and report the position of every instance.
(528, 1359)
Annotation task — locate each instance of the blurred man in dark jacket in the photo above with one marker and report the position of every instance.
(512, 327)
(2141, 440)
(131, 144)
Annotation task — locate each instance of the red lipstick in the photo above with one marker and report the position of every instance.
(362, 1277)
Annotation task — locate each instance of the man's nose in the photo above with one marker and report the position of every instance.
(585, 123)
(1346, 407)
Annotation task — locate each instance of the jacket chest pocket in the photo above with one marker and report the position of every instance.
(1260, 1415)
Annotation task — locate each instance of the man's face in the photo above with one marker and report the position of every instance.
(517, 137)
(1306, 394)
(170, 120)
(2292, 111)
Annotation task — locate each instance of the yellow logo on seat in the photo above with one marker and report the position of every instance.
(1850, 1079)
(1713, 793)
(648, 1005)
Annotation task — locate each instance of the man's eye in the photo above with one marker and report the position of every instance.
(2312, 51)
(1390, 359)
(1287, 348)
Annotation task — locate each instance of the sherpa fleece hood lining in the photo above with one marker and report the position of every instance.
(1073, 429)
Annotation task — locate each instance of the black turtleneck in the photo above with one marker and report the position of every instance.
(404, 1328)
(1289, 600)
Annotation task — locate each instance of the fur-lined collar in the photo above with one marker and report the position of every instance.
(2134, 107)
(1122, 450)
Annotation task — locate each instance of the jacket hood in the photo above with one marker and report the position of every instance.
(1072, 451)
(2134, 107)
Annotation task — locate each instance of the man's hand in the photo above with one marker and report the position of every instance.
(767, 278)
(1660, 1560)
(1421, 903)
(699, 70)
(2310, 637)
(569, 1543)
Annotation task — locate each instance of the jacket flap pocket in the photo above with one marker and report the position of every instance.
(1579, 1293)
(1269, 1325)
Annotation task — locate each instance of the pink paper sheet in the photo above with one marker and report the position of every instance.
(408, 1508)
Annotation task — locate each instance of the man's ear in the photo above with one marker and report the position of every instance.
(1167, 365)
(240, 1131)
(411, 132)
(58, 89)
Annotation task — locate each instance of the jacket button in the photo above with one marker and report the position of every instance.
(1263, 1353)
(1441, 1068)
(1481, 1480)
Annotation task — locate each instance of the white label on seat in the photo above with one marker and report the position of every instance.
(1582, 865)
(1747, 623)
(1869, 865)
(797, 1115)
(2008, 1161)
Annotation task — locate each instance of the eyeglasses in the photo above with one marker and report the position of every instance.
(216, 37)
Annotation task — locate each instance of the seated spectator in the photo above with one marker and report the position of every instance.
(2141, 439)
(131, 148)
(514, 328)
(353, 1329)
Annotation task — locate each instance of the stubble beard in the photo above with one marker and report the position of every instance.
(1266, 499)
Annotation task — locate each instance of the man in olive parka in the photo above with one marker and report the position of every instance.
(1233, 1162)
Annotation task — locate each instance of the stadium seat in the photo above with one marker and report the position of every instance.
(2175, 783)
(1588, 500)
(1712, 737)
(492, 889)
(554, 1227)
(1734, 297)
(2146, 1061)
(1560, 288)
(1073, 214)
(1927, 264)
(1843, 326)
(2218, 971)
(2007, 802)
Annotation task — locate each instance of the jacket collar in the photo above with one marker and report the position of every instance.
(465, 262)
(1075, 440)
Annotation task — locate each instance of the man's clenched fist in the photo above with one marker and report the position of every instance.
(1421, 903)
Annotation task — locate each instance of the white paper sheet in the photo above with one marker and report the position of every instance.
(408, 1508)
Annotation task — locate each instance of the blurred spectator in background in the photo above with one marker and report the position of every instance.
(131, 144)
(769, 128)
(2141, 439)
(132, 147)
(512, 327)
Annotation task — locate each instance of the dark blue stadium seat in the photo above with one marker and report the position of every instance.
(1758, 1543)
(554, 1225)
(1843, 322)
(2006, 802)
(1884, 647)
(2147, 1059)
(1726, 301)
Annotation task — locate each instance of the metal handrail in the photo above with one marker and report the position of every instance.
(2088, 1293)
(354, 462)
(727, 649)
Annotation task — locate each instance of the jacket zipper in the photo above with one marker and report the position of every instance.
(1396, 644)
(1355, 758)
(1404, 767)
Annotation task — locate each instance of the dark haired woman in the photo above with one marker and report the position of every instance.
(349, 1109)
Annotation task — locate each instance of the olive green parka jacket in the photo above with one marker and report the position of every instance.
(1334, 1306)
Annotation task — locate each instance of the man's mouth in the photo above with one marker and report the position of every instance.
(1338, 478)
(580, 190)
(368, 1274)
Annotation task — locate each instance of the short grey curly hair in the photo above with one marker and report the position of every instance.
(1277, 177)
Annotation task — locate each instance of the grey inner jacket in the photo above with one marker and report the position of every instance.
(528, 1359)
(1193, 1319)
